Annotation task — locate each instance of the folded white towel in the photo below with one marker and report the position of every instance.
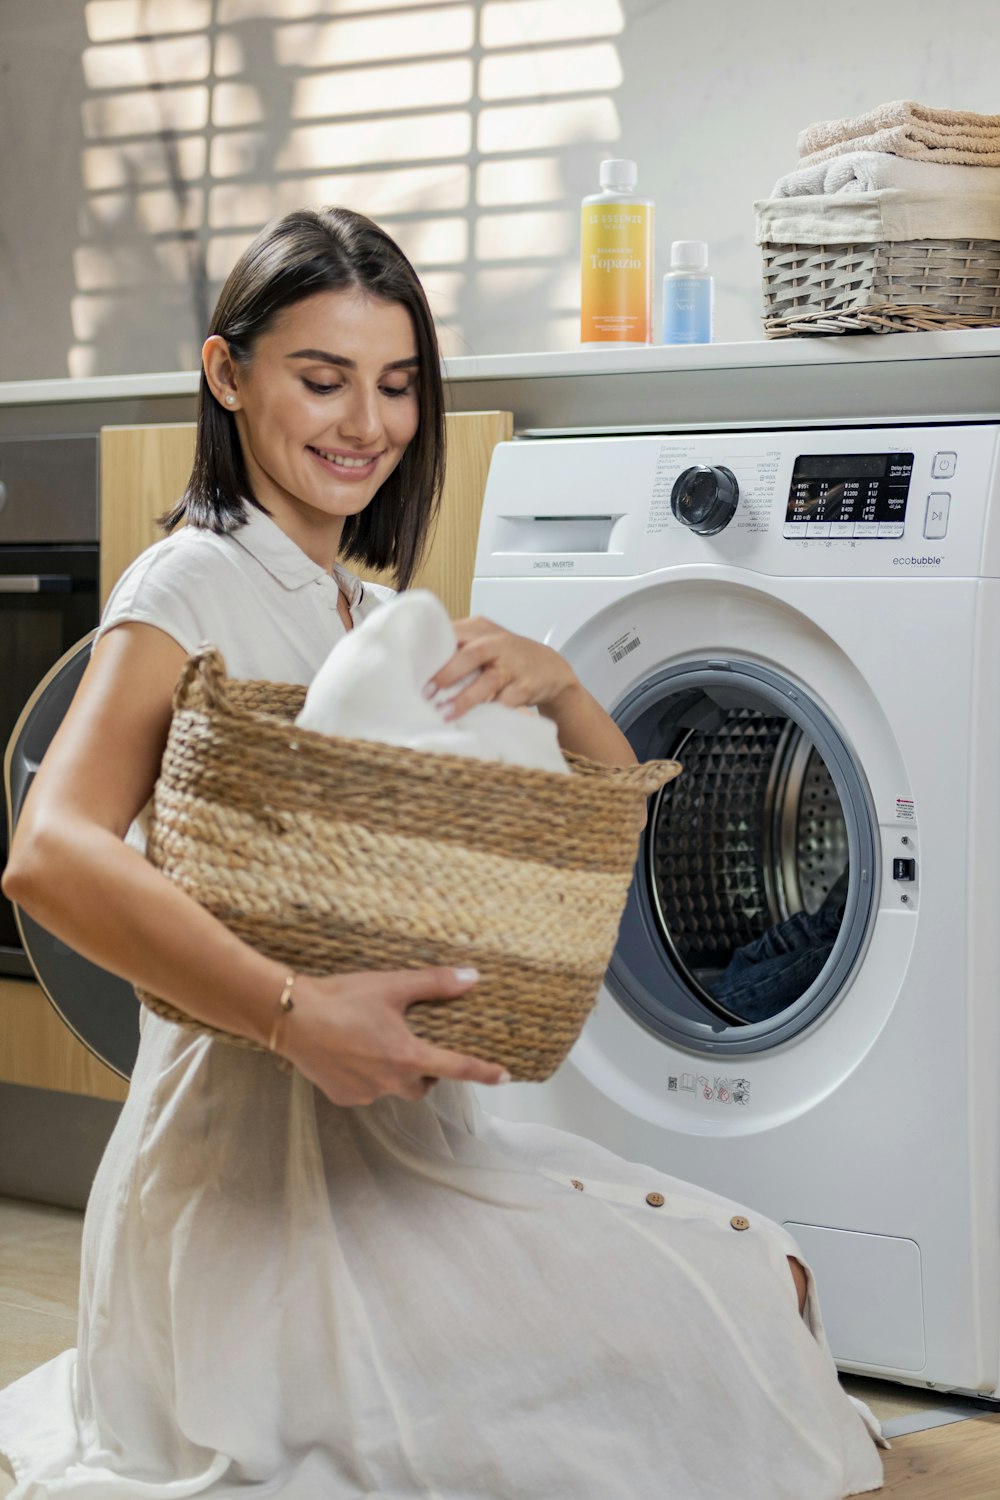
(371, 687)
(948, 136)
(868, 171)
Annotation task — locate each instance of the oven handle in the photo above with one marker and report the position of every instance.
(36, 583)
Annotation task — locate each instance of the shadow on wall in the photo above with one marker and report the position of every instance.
(41, 97)
(462, 127)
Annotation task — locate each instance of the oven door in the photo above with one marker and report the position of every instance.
(48, 600)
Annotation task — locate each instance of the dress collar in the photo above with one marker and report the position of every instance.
(284, 559)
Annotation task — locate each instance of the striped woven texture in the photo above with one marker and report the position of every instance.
(334, 855)
(892, 287)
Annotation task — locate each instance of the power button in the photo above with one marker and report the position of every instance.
(943, 465)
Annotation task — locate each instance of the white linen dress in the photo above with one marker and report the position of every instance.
(408, 1301)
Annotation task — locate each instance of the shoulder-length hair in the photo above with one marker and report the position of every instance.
(310, 251)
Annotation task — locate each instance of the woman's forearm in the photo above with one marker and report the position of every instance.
(585, 729)
(347, 1033)
(103, 899)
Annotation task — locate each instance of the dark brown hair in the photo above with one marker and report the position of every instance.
(310, 251)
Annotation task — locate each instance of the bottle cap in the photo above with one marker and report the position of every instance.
(619, 173)
(688, 255)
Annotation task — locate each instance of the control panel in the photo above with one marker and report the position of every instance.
(848, 495)
(870, 501)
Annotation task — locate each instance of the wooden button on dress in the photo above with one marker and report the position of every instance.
(577, 1183)
(738, 1222)
(655, 1200)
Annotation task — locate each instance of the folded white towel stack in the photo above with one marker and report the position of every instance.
(371, 687)
(902, 171)
(869, 171)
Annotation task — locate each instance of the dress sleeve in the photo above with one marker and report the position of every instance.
(162, 588)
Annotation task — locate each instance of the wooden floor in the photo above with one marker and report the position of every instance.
(39, 1270)
(959, 1462)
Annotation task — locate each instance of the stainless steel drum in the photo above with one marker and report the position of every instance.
(752, 901)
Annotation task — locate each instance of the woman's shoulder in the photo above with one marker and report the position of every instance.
(181, 560)
(168, 583)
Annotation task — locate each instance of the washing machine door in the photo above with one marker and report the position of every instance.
(753, 895)
(99, 1008)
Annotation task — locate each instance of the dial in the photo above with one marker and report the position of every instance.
(705, 498)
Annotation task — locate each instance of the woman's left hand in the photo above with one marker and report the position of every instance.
(504, 668)
(521, 673)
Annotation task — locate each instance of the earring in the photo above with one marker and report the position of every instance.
(230, 400)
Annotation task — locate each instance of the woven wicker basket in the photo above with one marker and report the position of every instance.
(904, 285)
(332, 855)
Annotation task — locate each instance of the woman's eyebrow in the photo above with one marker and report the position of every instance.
(323, 357)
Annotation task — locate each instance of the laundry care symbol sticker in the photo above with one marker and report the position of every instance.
(717, 1089)
(711, 1090)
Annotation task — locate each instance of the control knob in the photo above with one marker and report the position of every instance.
(705, 498)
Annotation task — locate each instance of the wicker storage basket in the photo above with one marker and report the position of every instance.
(877, 272)
(333, 855)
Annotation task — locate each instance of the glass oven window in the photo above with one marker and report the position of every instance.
(48, 602)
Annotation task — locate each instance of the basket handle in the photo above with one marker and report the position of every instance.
(202, 683)
(653, 774)
(647, 777)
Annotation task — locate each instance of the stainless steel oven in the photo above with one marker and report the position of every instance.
(48, 587)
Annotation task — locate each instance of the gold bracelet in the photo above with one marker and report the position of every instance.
(285, 1004)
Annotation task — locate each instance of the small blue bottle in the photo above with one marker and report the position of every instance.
(688, 295)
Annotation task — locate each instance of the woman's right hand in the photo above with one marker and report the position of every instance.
(347, 1034)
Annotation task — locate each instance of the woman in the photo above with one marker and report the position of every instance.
(341, 1281)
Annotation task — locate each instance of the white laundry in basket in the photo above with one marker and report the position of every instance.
(371, 687)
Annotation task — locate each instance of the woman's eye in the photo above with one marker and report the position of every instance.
(318, 387)
(397, 390)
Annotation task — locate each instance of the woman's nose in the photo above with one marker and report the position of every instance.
(361, 419)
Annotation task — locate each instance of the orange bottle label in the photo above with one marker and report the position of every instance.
(616, 271)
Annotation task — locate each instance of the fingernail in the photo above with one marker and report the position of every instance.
(504, 1078)
(466, 976)
(430, 689)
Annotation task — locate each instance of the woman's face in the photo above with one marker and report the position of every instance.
(325, 411)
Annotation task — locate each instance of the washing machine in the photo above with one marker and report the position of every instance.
(802, 1011)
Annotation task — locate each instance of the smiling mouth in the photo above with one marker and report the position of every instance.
(345, 461)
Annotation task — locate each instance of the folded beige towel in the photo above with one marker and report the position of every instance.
(902, 128)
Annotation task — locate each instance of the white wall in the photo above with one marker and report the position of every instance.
(146, 140)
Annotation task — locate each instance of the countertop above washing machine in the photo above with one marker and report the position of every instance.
(905, 377)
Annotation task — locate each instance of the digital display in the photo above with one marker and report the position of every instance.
(848, 495)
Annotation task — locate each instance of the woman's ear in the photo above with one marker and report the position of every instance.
(220, 372)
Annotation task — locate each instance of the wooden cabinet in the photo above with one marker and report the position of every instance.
(143, 471)
(38, 1050)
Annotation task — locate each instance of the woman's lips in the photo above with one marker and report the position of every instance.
(349, 470)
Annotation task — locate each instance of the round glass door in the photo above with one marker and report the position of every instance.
(753, 895)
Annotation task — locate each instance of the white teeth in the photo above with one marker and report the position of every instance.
(344, 463)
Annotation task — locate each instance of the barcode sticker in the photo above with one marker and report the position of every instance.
(620, 648)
